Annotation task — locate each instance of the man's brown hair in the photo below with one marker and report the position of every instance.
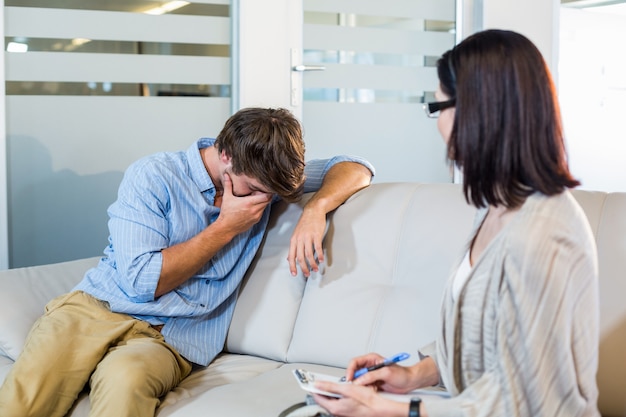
(266, 144)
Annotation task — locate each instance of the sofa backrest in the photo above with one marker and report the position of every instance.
(389, 251)
(387, 259)
(607, 216)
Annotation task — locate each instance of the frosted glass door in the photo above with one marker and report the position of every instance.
(379, 68)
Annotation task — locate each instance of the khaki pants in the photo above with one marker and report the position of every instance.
(78, 340)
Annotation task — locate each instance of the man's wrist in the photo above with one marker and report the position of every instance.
(414, 407)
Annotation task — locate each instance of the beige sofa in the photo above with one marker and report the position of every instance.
(389, 250)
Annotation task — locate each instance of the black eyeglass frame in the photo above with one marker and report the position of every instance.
(433, 108)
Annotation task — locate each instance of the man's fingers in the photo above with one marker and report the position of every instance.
(310, 257)
(303, 266)
(305, 256)
(297, 257)
(227, 184)
(319, 251)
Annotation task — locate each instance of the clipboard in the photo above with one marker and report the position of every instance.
(306, 380)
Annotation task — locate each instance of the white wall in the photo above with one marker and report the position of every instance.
(262, 67)
(4, 227)
(536, 19)
(590, 86)
(592, 93)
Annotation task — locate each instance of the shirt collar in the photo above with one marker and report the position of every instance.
(197, 170)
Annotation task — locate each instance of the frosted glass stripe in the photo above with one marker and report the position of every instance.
(377, 77)
(124, 68)
(212, 1)
(420, 9)
(120, 26)
(326, 37)
(401, 142)
(94, 135)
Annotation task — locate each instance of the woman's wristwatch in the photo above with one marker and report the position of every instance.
(414, 407)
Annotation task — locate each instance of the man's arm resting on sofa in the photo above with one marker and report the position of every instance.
(340, 182)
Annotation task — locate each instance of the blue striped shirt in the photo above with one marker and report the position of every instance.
(165, 199)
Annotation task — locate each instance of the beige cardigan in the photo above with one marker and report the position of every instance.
(522, 338)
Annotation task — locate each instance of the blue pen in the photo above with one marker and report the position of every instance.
(388, 361)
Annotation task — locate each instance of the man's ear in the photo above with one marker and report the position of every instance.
(225, 158)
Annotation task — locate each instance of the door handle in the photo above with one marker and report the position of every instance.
(302, 68)
(297, 69)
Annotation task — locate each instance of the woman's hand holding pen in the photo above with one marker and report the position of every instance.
(360, 398)
(360, 362)
(392, 378)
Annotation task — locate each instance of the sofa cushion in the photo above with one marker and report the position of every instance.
(26, 291)
(269, 299)
(5, 366)
(225, 369)
(267, 394)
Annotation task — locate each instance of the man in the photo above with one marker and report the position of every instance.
(183, 231)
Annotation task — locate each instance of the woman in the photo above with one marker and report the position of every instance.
(520, 315)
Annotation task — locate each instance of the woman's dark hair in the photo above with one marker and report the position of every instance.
(507, 137)
(266, 144)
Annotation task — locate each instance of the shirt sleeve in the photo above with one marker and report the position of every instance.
(316, 169)
(138, 228)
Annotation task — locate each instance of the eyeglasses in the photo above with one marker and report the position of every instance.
(433, 109)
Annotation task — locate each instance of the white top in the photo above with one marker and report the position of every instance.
(462, 273)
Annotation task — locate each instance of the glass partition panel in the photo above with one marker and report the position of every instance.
(378, 60)
(92, 86)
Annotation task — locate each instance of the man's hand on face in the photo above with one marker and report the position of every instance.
(239, 214)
